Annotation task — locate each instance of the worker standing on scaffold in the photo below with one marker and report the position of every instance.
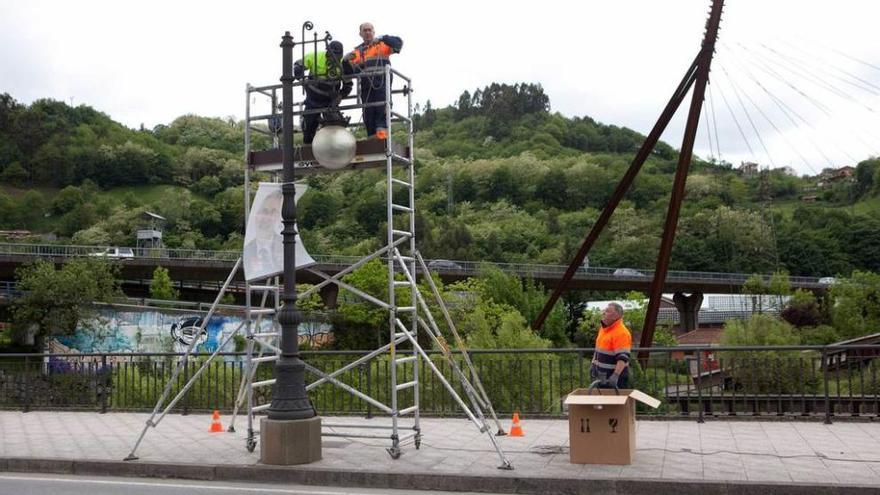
(325, 87)
(374, 53)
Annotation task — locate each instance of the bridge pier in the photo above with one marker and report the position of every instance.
(329, 294)
(688, 309)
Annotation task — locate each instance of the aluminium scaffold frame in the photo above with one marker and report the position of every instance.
(401, 257)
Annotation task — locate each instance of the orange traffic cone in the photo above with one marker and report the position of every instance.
(515, 429)
(216, 427)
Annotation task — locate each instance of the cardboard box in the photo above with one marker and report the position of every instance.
(602, 424)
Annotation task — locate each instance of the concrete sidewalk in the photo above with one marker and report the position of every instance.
(673, 456)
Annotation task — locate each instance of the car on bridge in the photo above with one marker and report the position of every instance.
(444, 265)
(116, 253)
(628, 272)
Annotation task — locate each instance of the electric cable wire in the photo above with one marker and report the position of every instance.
(820, 106)
(714, 122)
(787, 65)
(767, 118)
(843, 71)
(751, 123)
(789, 112)
(855, 59)
(773, 73)
(816, 79)
(736, 121)
(826, 86)
(709, 135)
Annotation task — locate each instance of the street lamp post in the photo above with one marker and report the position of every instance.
(292, 432)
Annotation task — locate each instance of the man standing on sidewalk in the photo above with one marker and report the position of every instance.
(613, 344)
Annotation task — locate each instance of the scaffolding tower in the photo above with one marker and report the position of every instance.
(404, 263)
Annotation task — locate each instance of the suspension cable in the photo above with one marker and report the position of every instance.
(789, 112)
(736, 121)
(767, 118)
(751, 122)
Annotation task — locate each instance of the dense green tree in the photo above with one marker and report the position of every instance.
(161, 286)
(866, 171)
(14, 174)
(763, 372)
(856, 309)
(67, 199)
(55, 300)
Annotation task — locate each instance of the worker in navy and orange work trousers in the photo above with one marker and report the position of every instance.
(325, 86)
(613, 345)
(371, 55)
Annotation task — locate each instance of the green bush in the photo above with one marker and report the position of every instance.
(768, 372)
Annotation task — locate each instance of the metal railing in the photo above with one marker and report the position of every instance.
(464, 268)
(697, 382)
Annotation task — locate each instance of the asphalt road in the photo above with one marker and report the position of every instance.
(50, 484)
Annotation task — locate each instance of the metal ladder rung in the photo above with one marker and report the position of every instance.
(404, 412)
(261, 407)
(263, 311)
(397, 207)
(404, 386)
(401, 182)
(264, 359)
(406, 258)
(404, 233)
(263, 383)
(266, 334)
(401, 283)
(402, 309)
(399, 335)
(265, 287)
(406, 359)
(402, 159)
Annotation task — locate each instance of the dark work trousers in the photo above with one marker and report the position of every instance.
(374, 117)
(310, 121)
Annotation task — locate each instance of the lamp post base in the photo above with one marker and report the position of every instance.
(289, 442)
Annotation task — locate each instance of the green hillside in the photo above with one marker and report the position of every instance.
(500, 177)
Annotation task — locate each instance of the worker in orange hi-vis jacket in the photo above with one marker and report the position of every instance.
(613, 345)
(373, 54)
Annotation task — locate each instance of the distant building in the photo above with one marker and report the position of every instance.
(845, 172)
(844, 358)
(149, 236)
(830, 176)
(788, 171)
(748, 169)
(812, 198)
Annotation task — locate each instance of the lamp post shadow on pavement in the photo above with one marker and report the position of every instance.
(291, 434)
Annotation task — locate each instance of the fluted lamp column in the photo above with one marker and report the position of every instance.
(291, 434)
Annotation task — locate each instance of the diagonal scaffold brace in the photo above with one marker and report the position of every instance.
(478, 398)
(153, 421)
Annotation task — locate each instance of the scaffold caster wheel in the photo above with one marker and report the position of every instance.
(506, 466)
(251, 444)
(394, 452)
(418, 441)
(231, 429)
(500, 433)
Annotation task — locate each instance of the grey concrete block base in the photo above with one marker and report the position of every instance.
(291, 442)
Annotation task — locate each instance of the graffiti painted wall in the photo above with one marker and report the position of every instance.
(143, 329)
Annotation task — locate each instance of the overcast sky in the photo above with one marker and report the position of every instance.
(616, 61)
